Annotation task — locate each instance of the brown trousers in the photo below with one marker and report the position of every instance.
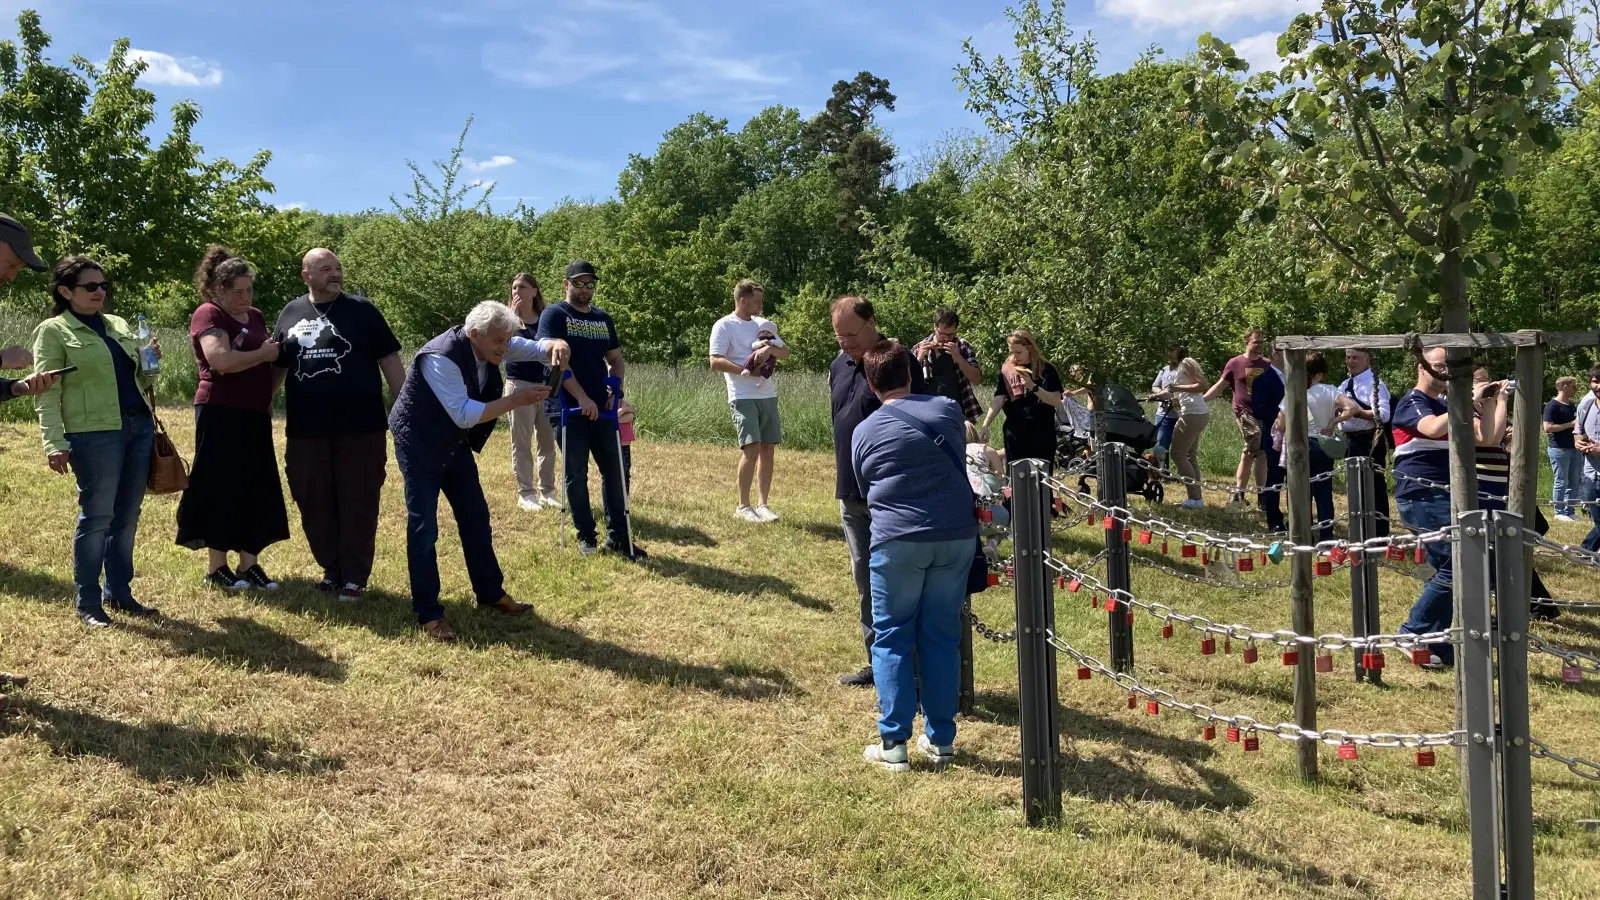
(337, 483)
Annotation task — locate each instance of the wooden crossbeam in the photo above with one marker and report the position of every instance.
(1551, 340)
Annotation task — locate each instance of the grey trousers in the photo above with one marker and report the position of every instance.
(858, 538)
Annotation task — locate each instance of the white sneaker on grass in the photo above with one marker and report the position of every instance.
(550, 500)
(941, 756)
(747, 514)
(895, 758)
(766, 513)
(528, 503)
(1562, 517)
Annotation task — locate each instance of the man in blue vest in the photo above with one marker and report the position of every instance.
(445, 414)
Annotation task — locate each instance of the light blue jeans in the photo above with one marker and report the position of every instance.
(1566, 469)
(1434, 609)
(917, 588)
(112, 468)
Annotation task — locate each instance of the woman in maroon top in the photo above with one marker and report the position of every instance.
(234, 502)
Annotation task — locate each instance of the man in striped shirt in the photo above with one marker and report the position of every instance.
(1422, 493)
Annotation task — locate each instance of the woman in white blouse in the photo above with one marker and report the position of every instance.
(1327, 407)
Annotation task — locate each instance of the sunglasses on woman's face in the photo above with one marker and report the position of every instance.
(93, 287)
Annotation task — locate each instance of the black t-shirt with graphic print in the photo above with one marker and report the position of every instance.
(332, 352)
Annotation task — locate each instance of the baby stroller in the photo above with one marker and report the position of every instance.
(1125, 422)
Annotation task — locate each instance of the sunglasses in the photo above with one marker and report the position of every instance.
(93, 286)
(584, 285)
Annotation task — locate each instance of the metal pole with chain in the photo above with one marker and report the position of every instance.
(1475, 669)
(968, 695)
(1516, 761)
(1359, 492)
(1041, 788)
(1114, 492)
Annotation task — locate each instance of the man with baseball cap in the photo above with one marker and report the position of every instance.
(16, 251)
(595, 354)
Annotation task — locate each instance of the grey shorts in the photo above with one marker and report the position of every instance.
(756, 421)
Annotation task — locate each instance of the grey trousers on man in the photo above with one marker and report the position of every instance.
(858, 538)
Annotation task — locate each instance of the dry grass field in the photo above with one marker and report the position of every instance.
(676, 730)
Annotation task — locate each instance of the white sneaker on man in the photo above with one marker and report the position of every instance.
(528, 503)
(766, 513)
(747, 514)
(941, 756)
(550, 500)
(1563, 517)
(895, 758)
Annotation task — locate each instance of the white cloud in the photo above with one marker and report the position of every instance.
(288, 206)
(178, 71)
(499, 161)
(1200, 13)
(1260, 51)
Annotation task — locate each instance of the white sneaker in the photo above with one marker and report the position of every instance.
(550, 500)
(895, 760)
(747, 514)
(941, 756)
(766, 513)
(1194, 504)
(528, 503)
(1561, 517)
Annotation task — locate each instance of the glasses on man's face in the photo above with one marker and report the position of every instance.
(584, 285)
(94, 287)
(849, 338)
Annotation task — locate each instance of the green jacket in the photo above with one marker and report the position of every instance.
(85, 400)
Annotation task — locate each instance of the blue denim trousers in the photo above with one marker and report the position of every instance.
(1434, 608)
(112, 469)
(1566, 470)
(458, 481)
(917, 588)
(1166, 424)
(1591, 499)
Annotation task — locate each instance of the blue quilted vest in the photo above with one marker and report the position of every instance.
(424, 434)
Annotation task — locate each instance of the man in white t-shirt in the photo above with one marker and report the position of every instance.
(743, 347)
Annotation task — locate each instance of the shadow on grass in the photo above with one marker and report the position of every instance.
(723, 581)
(388, 615)
(165, 751)
(243, 642)
(828, 531)
(1281, 692)
(1228, 853)
(36, 585)
(649, 530)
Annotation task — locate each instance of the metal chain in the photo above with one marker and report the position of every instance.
(1287, 731)
(1209, 582)
(1482, 495)
(1578, 605)
(1583, 768)
(998, 637)
(1546, 547)
(1585, 661)
(1230, 489)
(1282, 638)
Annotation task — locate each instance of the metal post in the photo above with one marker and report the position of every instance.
(1041, 785)
(1361, 493)
(1526, 450)
(1114, 492)
(1297, 484)
(968, 695)
(1475, 665)
(1516, 779)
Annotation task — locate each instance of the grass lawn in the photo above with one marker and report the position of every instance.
(676, 730)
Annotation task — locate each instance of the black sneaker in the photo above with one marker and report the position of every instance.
(256, 577)
(133, 608)
(223, 579)
(862, 678)
(95, 618)
(587, 548)
(328, 586)
(613, 547)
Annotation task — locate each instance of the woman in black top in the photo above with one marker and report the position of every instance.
(530, 425)
(1028, 390)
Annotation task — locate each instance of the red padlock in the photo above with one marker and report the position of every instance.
(1252, 743)
(1419, 555)
(1110, 523)
(1250, 654)
(1425, 758)
(1208, 733)
(1163, 547)
(1372, 662)
(1074, 586)
(985, 514)
(1324, 568)
(1152, 707)
(1084, 673)
(1188, 551)
(1061, 582)
(1146, 537)
(1338, 555)
(1247, 564)
(994, 578)
(1421, 656)
(1394, 553)
(1324, 663)
(1133, 701)
(1091, 518)
(1127, 535)
(1166, 631)
(1006, 491)
(1205, 559)
(1111, 603)
(1263, 557)
(1233, 734)
(1208, 646)
(1011, 571)
(1291, 657)
(1347, 750)
(1227, 646)
(1061, 506)
(1130, 617)
(1571, 674)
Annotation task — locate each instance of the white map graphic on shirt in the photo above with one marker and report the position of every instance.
(321, 347)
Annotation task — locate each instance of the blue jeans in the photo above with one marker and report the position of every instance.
(1322, 491)
(1591, 497)
(112, 468)
(1434, 609)
(1166, 423)
(458, 481)
(580, 439)
(917, 588)
(1271, 502)
(1566, 470)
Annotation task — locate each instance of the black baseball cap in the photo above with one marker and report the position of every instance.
(16, 235)
(582, 267)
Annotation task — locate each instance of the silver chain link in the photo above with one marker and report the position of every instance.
(1287, 731)
(998, 637)
(1230, 489)
(1546, 547)
(1585, 661)
(1583, 768)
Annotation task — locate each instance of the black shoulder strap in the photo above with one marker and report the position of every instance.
(925, 431)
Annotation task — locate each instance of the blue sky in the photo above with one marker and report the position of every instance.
(345, 91)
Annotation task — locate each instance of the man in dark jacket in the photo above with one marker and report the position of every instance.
(445, 414)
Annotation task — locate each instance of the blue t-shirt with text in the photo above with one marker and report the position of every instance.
(591, 335)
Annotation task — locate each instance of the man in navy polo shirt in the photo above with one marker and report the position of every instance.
(855, 327)
(1422, 494)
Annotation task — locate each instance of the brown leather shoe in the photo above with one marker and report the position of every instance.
(508, 606)
(440, 631)
(13, 680)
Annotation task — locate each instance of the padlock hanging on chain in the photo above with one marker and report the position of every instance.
(1250, 654)
(1251, 742)
(1227, 645)
(1208, 733)
(1338, 555)
(1110, 523)
(1275, 552)
(1133, 701)
(1208, 646)
(1163, 546)
(1395, 553)
(1324, 662)
(1425, 758)
(1074, 586)
(1084, 673)
(1111, 603)
(1324, 568)
(1347, 750)
(1233, 734)
(1146, 536)
(1188, 551)
(1572, 673)
(1421, 656)
(1152, 707)
(1420, 555)
(1246, 564)
(1166, 630)
(1127, 535)
(1291, 657)
(1372, 661)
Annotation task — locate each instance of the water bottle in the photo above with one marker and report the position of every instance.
(149, 363)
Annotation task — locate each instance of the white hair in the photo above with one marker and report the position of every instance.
(492, 316)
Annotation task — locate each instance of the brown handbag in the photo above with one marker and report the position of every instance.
(169, 474)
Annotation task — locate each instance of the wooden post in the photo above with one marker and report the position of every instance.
(1525, 449)
(1297, 448)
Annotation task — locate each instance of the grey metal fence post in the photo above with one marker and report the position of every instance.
(1041, 786)
(1516, 778)
(1361, 494)
(1114, 492)
(1475, 665)
(968, 695)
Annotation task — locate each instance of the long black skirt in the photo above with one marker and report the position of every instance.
(234, 501)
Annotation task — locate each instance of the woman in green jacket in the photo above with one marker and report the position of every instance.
(97, 423)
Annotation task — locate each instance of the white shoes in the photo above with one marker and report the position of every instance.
(1559, 517)
(550, 500)
(766, 513)
(529, 503)
(941, 756)
(895, 758)
(762, 513)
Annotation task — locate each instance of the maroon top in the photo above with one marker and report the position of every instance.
(250, 389)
